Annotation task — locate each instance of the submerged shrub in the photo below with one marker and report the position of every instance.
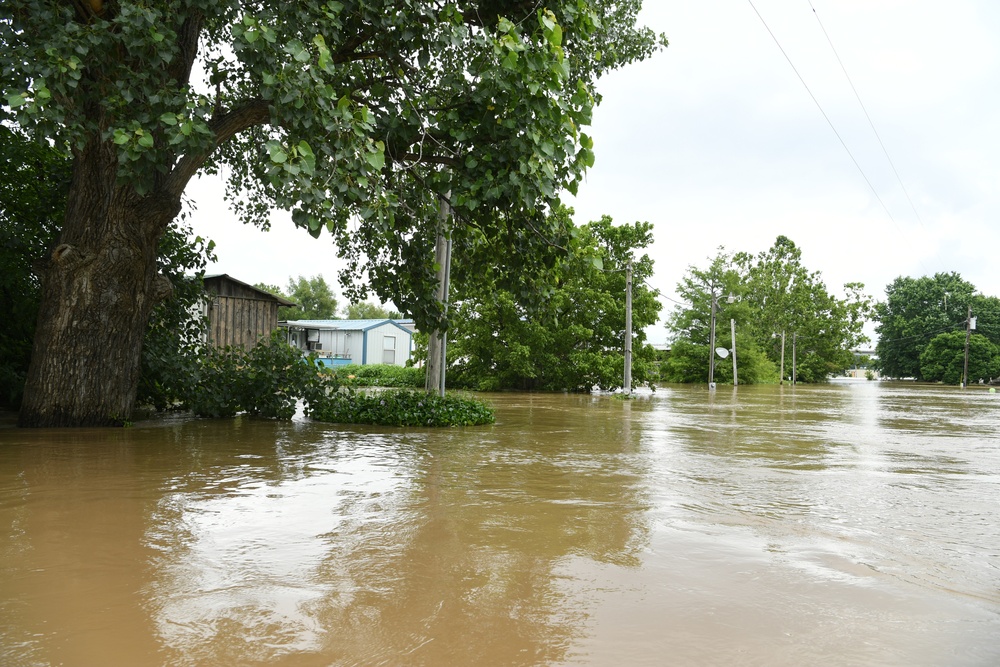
(267, 382)
(400, 408)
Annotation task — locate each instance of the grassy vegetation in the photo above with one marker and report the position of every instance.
(379, 375)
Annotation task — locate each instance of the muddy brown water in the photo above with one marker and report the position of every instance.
(849, 524)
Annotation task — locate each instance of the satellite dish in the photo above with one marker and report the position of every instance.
(722, 352)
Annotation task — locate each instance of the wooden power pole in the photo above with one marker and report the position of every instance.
(628, 328)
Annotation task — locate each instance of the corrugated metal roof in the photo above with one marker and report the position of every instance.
(344, 325)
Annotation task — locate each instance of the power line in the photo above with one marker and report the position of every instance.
(825, 116)
(871, 124)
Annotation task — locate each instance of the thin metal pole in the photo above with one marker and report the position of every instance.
(628, 328)
(732, 326)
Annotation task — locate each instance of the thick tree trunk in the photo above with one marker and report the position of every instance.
(97, 295)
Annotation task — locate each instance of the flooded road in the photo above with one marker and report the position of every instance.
(848, 524)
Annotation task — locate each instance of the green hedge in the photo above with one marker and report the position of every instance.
(400, 408)
(379, 375)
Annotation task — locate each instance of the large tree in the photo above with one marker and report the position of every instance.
(358, 116)
(943, 359)
(916, 310)
(572, 338)
(773, 292)
(315, 298)
(690, 326)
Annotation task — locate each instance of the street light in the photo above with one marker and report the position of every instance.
(711, 342)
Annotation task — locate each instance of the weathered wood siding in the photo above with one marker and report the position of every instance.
(239, 321)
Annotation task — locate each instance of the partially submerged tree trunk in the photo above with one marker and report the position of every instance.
(98, 291)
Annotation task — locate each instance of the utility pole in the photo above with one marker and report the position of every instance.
(781, 379)
(795, 337)
(968, 335)
(711, 348)
(446, 301)
(436, 360)
(628, 328)
(732, 326)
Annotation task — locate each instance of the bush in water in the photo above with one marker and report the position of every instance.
(266, 382)
(400, 408)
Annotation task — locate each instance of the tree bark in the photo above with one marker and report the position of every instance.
(98, 291)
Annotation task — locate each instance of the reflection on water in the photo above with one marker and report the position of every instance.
(844, 524)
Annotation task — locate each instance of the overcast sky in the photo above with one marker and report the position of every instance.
(716, 141)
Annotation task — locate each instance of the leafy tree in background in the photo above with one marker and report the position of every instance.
(358, 110)
(772, 292)
(786, 297)
(943, 359)
(369, 311)
(918, 309)
(688, 360)
(315, 298)
(573, 339)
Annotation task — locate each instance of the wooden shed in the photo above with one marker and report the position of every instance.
(239, 314)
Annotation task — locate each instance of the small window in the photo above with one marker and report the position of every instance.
(388, 349)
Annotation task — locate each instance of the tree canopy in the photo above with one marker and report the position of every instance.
(357, 116)
(365, 110)
(315, 298)
(943, 359)
(771, 293)
(918, 310)
(572, 339)
(366, 310)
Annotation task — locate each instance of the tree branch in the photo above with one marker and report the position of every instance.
(225, 127)
(187, 40)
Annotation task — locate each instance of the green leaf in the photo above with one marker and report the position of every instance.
(376, 158)
(277, 152)
(555, 36)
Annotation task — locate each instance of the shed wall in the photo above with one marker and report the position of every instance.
(240, 322)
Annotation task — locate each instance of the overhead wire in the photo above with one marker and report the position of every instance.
(823, 112)
(871, 124)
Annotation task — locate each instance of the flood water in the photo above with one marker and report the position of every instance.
(848, 524)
